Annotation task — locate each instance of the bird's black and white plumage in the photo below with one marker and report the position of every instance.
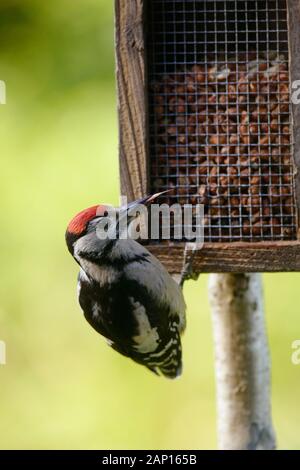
(128, 296)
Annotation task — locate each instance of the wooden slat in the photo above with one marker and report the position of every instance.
(294, 48)
(130, 58)
(233, 257)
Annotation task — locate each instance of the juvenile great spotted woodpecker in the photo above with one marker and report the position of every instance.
(126, 294)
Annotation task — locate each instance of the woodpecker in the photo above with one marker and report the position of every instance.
(126, 294)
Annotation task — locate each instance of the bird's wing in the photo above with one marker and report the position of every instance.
(162, 288)
(155, 337)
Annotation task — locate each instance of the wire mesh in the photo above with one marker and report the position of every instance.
(220, 130)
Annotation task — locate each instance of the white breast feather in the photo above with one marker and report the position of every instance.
(82, 278)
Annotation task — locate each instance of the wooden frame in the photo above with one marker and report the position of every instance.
(133, 151)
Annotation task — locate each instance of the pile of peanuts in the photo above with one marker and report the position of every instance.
(220, 135)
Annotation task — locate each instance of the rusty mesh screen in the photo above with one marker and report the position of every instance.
(220, 129)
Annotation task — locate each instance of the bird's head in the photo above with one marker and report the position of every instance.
(85, 223)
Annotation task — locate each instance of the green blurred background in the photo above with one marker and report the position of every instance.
(62, 386)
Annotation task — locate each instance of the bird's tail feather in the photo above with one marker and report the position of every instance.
(171, 372)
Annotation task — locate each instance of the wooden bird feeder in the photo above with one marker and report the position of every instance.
(205, 108)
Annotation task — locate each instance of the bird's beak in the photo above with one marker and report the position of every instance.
(146, 201)
(131, 210)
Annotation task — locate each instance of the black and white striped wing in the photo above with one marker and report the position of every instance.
(159, 311)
